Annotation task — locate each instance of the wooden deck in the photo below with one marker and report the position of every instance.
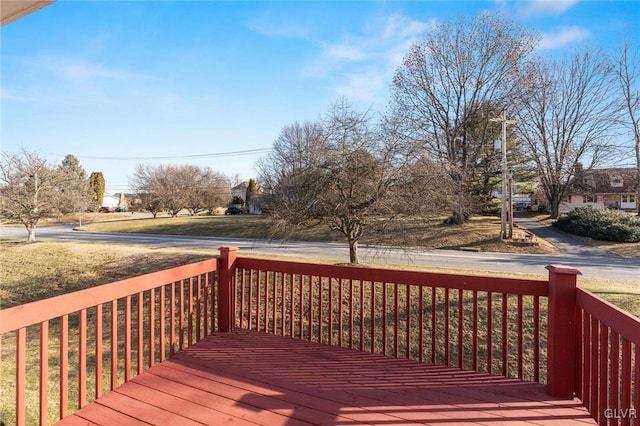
(256, 378)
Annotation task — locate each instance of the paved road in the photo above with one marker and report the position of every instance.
(591, 264)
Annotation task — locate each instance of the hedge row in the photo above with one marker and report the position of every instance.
(601, 224)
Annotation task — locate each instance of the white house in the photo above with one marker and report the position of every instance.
(613, 188)
(110, 201)
(240, 191)
(114, 201)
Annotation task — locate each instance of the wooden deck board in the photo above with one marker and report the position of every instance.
(255, 378)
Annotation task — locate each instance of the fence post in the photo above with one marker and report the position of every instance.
(226, 288)
(561, 330)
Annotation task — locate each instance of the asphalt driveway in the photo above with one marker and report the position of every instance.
(566, 243)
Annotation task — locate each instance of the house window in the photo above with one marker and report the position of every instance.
(616, 182)
(628, 198)
(589, 199)
(566, 199)
(589, 181)
(624, 199)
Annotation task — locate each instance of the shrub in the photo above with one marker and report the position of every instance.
(601, 224)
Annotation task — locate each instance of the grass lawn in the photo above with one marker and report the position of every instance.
(40, 270)
(481, 232)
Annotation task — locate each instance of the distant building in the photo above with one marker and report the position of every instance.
(110, 201)
(116, 201)
(240, 192)
(613, 188)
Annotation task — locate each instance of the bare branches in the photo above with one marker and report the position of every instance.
(566, 114)
(449, 82)
(176, 187)
(346, 172)
(32, 189)
(628, 78)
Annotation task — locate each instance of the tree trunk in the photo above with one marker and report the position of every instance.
(638, 175)
(554, 206)
(458, 216)
(353, 252)
(32, 233)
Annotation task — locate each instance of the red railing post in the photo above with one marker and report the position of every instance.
(561, 330)
(226, 293)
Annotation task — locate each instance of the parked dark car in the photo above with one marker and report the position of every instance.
(107, 209)
(234, 210)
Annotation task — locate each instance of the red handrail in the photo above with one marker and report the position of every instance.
(607, 360)
(86, 308)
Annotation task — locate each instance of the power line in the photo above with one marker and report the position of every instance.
(174, 157)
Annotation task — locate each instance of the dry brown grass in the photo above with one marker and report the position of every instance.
(482, 232)
(41, 270)
(628, 250)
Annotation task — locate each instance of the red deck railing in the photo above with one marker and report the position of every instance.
(497, 325)
(123, 326)
(607, 366)
(474, 322)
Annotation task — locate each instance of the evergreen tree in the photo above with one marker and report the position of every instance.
(251, 190)
(72, 164)
(96, 188)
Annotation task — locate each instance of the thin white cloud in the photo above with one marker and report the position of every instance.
(81, 70)
(545, 7)
(402, 27)
(343, 52)
(279, 29)
(363, 64)
(366, 86)
(66, 80)
(562, 37)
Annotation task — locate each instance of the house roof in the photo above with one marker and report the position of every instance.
(13, 10)
(605, 181)
(241, 186)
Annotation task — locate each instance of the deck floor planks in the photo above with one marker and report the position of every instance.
(476, 401)
(251, 395)
(94, 413)
(288, 400)
(264, 379)
(211, 399)
(184, 408)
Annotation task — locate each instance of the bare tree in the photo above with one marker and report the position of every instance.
(157, 184)
(151, 203)
(448, 87)
(204, 189)
(628, 74)
(343, 172)
(566, 117)
(32, 190)
(288, 172)
(177, 187)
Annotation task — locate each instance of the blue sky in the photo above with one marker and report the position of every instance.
(118, 83)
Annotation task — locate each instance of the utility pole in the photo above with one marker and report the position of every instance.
(506, 225)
